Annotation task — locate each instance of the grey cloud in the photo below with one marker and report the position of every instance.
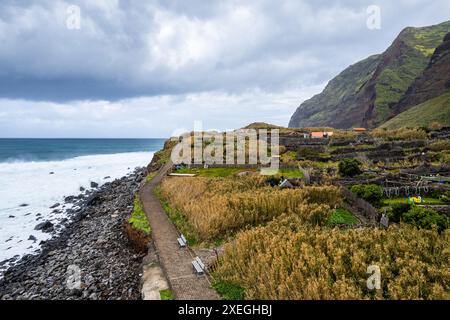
(151, 48)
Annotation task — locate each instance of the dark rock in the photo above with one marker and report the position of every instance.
(24, 205)
(107, 177)
(32, 238)
(94, 184)
(51, 172)
(82, 189)
(69, 199)
(43, 274)
(45, 226)
(11, 216)
(56, 205)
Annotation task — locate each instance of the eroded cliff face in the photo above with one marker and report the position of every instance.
(368, 92)
(434, 82)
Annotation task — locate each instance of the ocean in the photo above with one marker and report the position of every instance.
(37, 173)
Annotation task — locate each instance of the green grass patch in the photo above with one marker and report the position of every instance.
(150, 176)
(139, 219)
(404, 200)
(290, 173)
(342, 216)
(433, 110)
(179, 220)
(212, 172)
(166, 294)
(229, 291)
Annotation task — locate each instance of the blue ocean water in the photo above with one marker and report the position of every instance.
(61, 149)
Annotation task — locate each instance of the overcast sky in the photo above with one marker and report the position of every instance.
(149, 68)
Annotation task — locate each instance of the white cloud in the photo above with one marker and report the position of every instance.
(138, 67)
(148, 116)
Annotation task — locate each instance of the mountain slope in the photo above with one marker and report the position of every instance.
(338, 96)
(422, 115)
(434, 82)
(384, 80)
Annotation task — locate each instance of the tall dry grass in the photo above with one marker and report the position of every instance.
(218, 207)
(400, 134)
(289, 260)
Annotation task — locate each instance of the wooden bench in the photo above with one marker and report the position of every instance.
(199, 266)
(182, 241)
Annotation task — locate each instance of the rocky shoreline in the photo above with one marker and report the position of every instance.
(90, 258)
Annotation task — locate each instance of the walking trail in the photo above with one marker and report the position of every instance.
(175, 261)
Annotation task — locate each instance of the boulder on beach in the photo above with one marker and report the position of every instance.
(94, 184)
(45, 226)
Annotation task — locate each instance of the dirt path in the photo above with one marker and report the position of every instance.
(176, 262)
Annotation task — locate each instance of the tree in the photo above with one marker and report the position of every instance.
(349, 167)
(369, 192)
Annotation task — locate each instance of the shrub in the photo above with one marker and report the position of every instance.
(229, 291)
(349, 167)
(139, 219)
(370, 192)
(440, 145)
(166, 294)
(398, 210)
(426, 218)
(308, 152)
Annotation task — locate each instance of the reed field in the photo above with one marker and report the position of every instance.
(289, 260)
(281, 245)
(218, 207)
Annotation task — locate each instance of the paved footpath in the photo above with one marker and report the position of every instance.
(176, 262)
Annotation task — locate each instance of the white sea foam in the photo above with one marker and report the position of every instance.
(31, 183)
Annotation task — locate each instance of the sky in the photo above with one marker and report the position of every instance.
(111, 68)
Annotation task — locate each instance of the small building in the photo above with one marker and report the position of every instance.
(321, 135)
(317, 135)
(359, 129)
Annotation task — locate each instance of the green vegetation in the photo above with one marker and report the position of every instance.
(290, 173)
(440, 145)
(342, 216)
(212, 172)
(166, 294)
(150, 176)
(370, 192)
(139, 219)
(163, 155)
(179, 220)
(404, 200)
(418, 216)
(426, 218)
(397, 211)
(229, 291)
(397, 67)
(437, 109)
(349, 167)
(327, 105)
(288, 157)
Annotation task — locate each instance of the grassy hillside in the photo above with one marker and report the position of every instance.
(366, 94)
(321, 109)
(435, 110)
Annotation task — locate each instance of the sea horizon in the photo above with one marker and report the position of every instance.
(37, 173)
